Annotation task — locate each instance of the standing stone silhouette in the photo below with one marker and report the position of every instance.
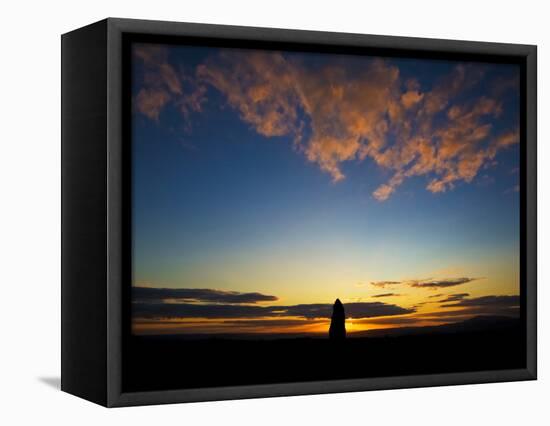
(337, 330)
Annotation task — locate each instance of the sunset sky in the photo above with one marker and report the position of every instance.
(267, 184)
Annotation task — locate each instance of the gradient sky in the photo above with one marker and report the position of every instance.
(268, 184)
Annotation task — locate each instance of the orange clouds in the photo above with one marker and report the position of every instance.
(462, 143)
(385, 190)
(337, 115)
(163, 84)
(347, 118)
(259, 86)
(151, 101)
(411, 98)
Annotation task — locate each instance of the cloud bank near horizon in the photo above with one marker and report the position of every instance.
(148, 302)
(197, 295)
(429, 283)
(161, 313)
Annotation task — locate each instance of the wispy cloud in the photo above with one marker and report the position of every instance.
(150, 101)
(454, 297)
(162, 83)
(440, 283)
(484, 301)
(386, 295)
(384, 284)
(427, 283)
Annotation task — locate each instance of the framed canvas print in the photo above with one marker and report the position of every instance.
(255, 212)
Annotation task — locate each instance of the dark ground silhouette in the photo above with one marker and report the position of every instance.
(171, 362)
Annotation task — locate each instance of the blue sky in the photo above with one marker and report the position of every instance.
(227, 195)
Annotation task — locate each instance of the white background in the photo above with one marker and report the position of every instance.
(30, 212)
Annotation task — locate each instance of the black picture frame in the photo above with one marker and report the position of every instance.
(96, 226)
